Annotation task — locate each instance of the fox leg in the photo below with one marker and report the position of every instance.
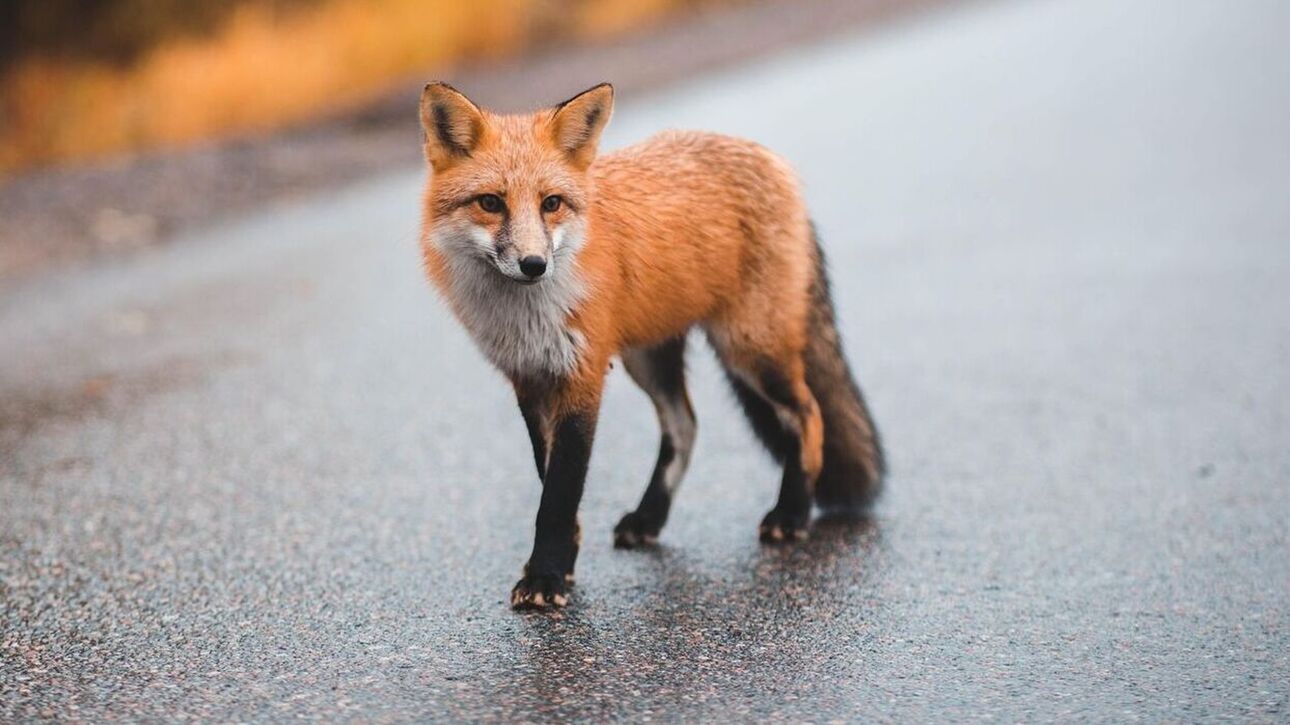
(794, 402)
(572, 410)
(660, 372)
(785, 392)
(533, 407)
(786, 417)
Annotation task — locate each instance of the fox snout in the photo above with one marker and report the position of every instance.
(533, 266)
(523, 244)
(525, 262)
(526, 269)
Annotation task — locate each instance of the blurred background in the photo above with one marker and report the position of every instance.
(83, 78)
(124, 121)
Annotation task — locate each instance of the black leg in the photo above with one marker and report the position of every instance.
(660, 372)
(643, 525)
(791, 516)
(531, 409)
(792, 513)
(780, 443)
(767, 405)
(555, 546)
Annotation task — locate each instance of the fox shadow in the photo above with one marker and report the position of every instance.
(768, 614)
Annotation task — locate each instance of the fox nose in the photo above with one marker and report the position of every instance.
(533, 266)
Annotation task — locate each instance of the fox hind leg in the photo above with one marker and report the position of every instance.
(786, 418)
(660, 372)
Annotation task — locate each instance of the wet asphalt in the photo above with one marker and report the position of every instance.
(261, 473)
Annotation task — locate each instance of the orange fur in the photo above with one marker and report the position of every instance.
(683, 229)
(556, 260)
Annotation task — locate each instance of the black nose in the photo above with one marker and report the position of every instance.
(533, 266)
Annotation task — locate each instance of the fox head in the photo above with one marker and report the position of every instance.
(510, 191)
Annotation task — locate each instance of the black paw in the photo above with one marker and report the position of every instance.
(781, 526)
(635, 531)
(541, 591)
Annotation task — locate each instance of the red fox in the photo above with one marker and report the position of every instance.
(557, 260)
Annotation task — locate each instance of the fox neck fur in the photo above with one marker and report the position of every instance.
(522, 329)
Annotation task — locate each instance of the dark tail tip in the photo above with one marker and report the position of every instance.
(848, 484)
(854, 464)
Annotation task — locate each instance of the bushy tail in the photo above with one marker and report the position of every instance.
(853, 459)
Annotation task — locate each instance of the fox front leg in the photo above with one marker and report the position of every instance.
(534, 410)
(555, 545)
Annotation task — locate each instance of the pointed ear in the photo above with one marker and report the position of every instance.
(452, 124)
(576, 124)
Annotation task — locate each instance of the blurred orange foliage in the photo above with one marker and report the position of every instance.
(262, 69)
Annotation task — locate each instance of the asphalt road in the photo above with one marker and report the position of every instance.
(261, 474)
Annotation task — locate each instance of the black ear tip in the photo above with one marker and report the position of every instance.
(441, 86)
(444, 91)
(592, 89)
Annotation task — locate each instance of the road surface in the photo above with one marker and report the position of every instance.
(262, 474)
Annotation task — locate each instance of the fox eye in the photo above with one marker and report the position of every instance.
(551, 203)
(491, 203)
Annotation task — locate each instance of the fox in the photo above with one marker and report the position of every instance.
(558, 261)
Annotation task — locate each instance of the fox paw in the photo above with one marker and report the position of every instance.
(634, 531)
(541, 591)
(780, 526)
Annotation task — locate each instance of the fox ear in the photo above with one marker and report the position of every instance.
(452, 124)
(576, 124)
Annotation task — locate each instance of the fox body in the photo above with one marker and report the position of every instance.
(557, 260)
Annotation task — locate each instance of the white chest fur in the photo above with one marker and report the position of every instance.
(522, 329)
